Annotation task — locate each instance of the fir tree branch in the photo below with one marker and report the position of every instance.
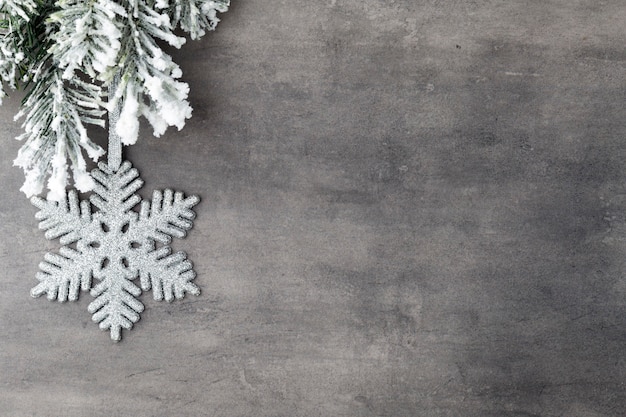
(65, 54)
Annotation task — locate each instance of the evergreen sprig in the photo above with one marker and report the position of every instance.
(66, 54)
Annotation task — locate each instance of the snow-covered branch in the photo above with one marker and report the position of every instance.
(66, 53)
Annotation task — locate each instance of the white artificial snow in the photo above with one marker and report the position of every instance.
(159, 126)
(94, 152)
(34, 182)
(57, 184)
(83, 181)
(58, 180)
(26, 154)
(89, 42)
(20, 8)
(127, 126)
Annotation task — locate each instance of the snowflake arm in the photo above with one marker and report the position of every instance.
(114, 192)
(63, 275)
(169, 276)
(66, 219)
(170, 214)
(115, 306)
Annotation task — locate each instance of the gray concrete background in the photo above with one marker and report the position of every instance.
(410, 208)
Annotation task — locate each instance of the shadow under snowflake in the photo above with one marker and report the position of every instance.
(116, 245)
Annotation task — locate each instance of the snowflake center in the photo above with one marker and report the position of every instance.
(115, 243)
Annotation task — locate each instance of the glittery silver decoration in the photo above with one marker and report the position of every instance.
(115, 142)
(114, 245)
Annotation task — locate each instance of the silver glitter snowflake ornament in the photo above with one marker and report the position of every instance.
(105, 250)
(115, 245)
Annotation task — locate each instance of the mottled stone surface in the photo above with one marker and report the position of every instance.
(410, 208)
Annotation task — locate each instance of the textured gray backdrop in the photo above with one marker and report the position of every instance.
(410, 208)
